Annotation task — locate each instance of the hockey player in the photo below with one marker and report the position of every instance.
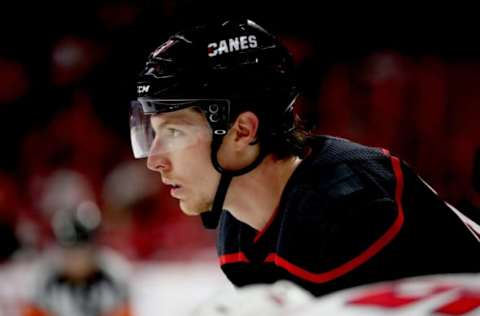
(79, 279)
(214, 116)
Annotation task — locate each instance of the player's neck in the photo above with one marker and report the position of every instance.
(252, 198)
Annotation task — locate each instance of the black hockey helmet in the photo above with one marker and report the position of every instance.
(224, 69)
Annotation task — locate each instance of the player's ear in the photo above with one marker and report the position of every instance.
(236, 151)
(244, 129)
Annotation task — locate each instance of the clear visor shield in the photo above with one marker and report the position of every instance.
(156, 134)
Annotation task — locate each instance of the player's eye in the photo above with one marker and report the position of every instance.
(173, 132)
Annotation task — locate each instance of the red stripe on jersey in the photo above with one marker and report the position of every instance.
(233, 258)
(386, 238)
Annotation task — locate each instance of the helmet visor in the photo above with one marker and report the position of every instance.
(159, 132)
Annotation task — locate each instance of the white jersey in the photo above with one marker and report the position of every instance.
(454, 294)
(256, 299)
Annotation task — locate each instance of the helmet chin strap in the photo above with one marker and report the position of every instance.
(211, 218)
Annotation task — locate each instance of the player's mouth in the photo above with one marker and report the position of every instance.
(175, 189)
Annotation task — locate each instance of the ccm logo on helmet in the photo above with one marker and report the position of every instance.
(232, 45)
(143, 89)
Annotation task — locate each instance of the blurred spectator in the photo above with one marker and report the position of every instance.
(78, 279)
(72, 59)
(425, 108)
(124, 189)
(61, 189)
(76, 139)
(142, 220)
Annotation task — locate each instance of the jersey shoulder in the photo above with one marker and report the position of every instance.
(339, 171)
(339, 203)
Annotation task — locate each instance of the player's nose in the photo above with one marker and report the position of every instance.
(158, 163)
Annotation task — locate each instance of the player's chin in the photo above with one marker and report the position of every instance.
(193, 209)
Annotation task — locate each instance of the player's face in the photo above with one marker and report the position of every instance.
(78, 261)
(181, 153)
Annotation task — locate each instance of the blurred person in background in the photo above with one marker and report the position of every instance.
(215, 117)
(78, 278)
(142, 220)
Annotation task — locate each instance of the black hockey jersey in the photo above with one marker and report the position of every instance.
(349, 215)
